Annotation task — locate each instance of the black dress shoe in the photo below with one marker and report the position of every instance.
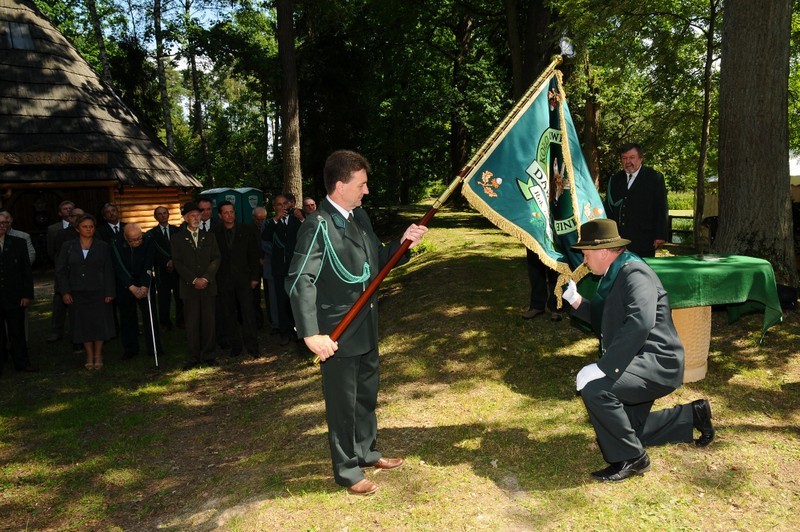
(620, 471)
(285, 339)
(255, 354)
(701, 419)
(190, 365)
(211, 362)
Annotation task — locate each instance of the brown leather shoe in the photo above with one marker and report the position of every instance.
(363, 487)
(388, 463)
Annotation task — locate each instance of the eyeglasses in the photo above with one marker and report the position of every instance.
(5, 223)
(132, 240)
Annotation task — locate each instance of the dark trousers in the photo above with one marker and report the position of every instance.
(543, 282)
(12, 331)
(285, 318)
(59, 314)
(167, 289)
(239, 302)
(258, 312)
(620, 413)
(350, 386)
(129, 323)
(200, 327)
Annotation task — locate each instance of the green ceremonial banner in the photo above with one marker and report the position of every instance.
(533, 185)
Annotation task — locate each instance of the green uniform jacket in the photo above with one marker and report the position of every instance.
(637, 330)
(191, 263)
(320, 299)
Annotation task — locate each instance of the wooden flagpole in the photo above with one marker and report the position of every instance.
(498, 131)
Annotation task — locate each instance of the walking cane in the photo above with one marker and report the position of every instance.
(150, 312)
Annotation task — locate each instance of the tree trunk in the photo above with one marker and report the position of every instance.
(755, 216)
(700, 187)
(530, 51)
(290, 107)
(162, 76)
(458, 129)
(197, 108)
(97, 29)
(515, 49)
(591, 124)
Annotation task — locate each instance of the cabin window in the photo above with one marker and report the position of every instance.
(15, 35)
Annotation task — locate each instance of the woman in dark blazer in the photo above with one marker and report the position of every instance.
(85, 277)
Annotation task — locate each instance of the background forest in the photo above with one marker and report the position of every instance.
(418, 85)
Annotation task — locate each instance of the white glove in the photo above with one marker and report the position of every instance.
(588, 374)
(571, 293)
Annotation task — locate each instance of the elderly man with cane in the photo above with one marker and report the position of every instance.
(641, 358)
(133, 263)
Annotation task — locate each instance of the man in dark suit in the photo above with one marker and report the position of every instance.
(133, 258)
(166, 276)
(111, 226)
(59, 308)
(281, 232)
(636, 198)
(16, 293)
(641, 358)
(322, 289)
(196, 258)
(239, 272)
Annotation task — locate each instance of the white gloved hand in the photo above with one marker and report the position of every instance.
(588, 374)
(571, 293)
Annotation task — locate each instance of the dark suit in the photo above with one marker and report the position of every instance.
(320, 298)
(198, 305)
(105, 233)
(89, 280)
(283, 237)
(214, 222)
(131, 268)
(642, 359)
(16, 283)
(52, 232)
(641, 213)
(166, 281)
(56, 236)
(238, 267)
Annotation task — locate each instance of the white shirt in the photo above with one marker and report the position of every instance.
(632, 177)
(344, 212)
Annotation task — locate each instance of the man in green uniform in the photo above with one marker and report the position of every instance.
(641, 358)
(336, 256)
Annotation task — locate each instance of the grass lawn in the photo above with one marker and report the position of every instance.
(480, 402)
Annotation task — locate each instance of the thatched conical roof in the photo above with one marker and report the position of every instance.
(60, 122)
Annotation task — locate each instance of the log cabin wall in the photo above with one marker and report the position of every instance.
(136, 204)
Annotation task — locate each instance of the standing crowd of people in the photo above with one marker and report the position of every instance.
(112, 279)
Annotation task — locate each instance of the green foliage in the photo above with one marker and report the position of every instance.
(680, 201)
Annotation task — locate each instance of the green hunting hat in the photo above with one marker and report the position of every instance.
(600, 234)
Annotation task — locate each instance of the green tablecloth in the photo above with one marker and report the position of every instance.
(743, 284)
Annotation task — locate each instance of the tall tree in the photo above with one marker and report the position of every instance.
(191, 30)
(158, 34)
(705, 128)
(755, 216)
(290, 106)
(97, 30)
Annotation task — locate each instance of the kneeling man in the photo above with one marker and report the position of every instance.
(641, 358)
